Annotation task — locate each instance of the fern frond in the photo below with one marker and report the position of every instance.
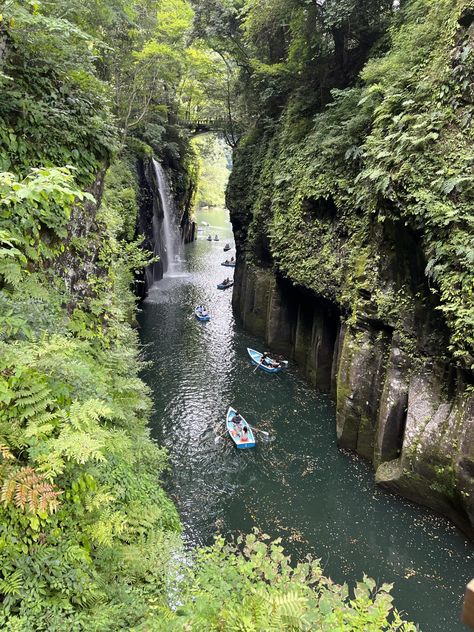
(43, 425)
(104, 531)
(290, 605)
(12, 584)
(29, 388)
(11, 271)
(6, 452)
(80, 447)
(7, 493)
(85, 415)
(50, 465)
(29, 491)
(32, 398)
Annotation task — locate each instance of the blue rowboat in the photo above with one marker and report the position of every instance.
(224, 286)
(236, 434)
(199, 315)
(228, 264)
(256, 358)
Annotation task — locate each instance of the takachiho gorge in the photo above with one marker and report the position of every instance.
(236, 316)
(295, 485)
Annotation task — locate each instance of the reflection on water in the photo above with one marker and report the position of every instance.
(296, 485)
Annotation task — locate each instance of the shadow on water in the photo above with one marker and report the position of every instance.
(296, 485)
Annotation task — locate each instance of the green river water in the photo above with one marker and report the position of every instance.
(297, 485)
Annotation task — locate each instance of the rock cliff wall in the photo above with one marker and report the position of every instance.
(354, 247)
(413, 419)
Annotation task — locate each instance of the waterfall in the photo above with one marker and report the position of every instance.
(171, 237)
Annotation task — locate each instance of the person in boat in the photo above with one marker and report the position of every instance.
(245, 434)
(203, 311)
(232, 259)
(265, 359)
(237, 421)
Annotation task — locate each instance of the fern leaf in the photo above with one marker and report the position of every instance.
(29, 491)
(291, 605)
(6, 452)
(12, 584)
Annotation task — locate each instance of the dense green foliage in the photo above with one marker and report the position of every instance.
(374, 194)
(80, 497)
(251, 586)
(88, 538)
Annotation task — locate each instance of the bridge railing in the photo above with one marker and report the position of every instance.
(203, 123)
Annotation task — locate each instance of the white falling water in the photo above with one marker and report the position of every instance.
(171, 233)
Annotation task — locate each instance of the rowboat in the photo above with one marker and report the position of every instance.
(199, 315)
(256, 358)
(236, 434)
(209, 238)
(228, 264)
(224, 286)
(216, 238)
(226, 247)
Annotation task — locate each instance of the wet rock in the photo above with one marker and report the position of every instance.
(435, 467)
(359, 387)
(280, 322)
(393, 409)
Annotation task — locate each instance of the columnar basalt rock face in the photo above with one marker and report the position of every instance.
(251, 298)
(359, 383)
(436, 457)
(392, 410)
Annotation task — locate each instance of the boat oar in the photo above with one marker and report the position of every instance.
(258, 430)
(219, 436)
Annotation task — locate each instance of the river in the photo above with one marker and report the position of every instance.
(296, 485)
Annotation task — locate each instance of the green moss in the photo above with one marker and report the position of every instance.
(316, 199)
